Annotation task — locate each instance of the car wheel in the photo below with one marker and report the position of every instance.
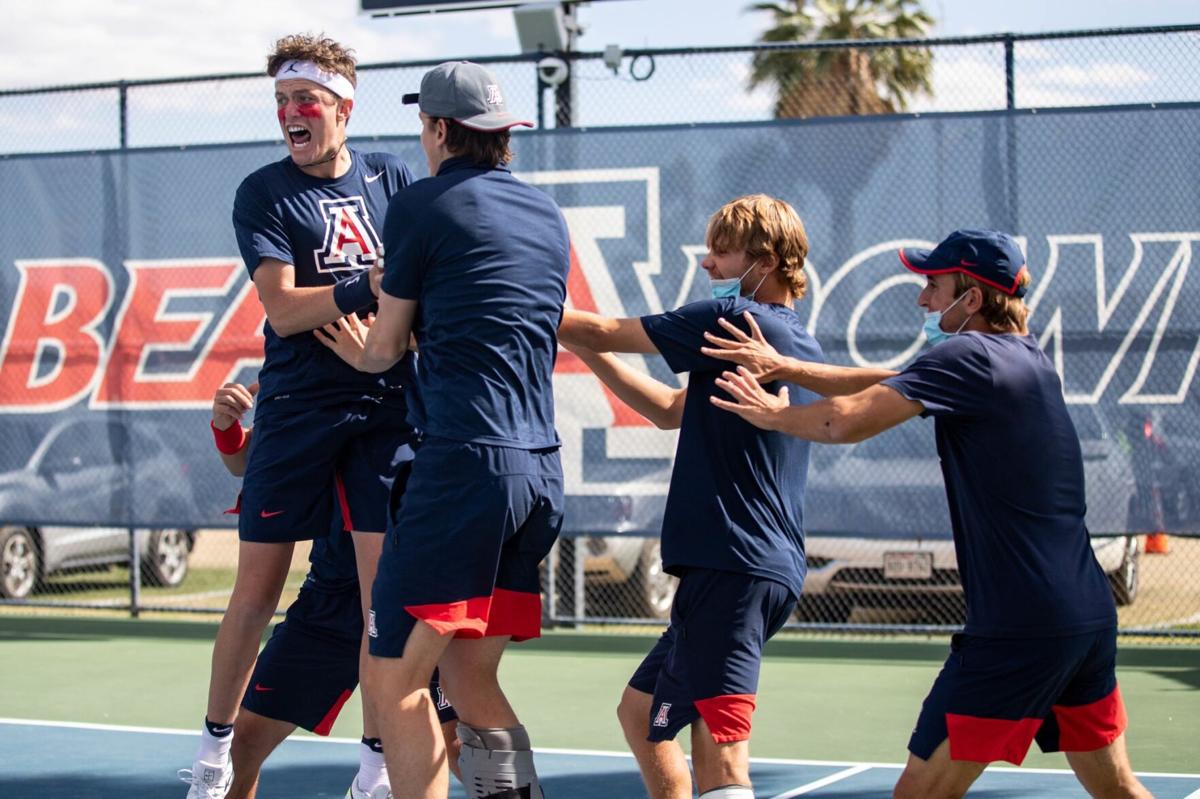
(165, 562)
(1125, 579)
(656, 588)
(19, 562)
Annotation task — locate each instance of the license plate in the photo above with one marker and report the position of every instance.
(907, 565)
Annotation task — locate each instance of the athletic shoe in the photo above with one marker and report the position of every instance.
(380, 792)
(208, 781)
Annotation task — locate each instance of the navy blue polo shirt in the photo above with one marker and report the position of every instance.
(327, 229)
(1014, 479)
(736, 499)
(486, 257)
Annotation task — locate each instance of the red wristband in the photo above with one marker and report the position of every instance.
(230, 440)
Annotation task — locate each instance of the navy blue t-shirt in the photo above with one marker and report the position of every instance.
(1014, 479)
(736, 499)
(328, 229)
(486, 257)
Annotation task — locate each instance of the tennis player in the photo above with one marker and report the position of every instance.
(476, 267)
(309, 667)
(1037, 658)
(733, 528)
(325, 434)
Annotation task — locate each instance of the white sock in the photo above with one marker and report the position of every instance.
(372, 770)
(212, 749)
(729, 792)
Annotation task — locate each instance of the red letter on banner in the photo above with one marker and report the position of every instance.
(144, 326)
(580, 295)
(54, 316)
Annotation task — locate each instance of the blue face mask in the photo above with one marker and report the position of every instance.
(725, 287)
(933, 324)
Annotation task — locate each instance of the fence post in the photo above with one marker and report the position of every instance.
(135, 572)
(123, 111)
(1010, 78)
(580, 610)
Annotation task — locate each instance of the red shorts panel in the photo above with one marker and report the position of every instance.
(1086, 728)
(727, 717)
(984, 740)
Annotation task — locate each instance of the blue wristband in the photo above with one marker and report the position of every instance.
(353, 293)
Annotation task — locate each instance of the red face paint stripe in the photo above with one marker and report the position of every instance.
(281, 113)
(1086, 728)
(310, 110)
(727, 717)
(983, 740)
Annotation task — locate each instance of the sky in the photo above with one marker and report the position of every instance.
(85, 41)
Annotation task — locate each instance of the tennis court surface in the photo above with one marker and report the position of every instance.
(100, 709)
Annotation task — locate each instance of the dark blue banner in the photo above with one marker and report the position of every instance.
(126, 304)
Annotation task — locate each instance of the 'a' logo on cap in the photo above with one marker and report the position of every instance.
(493, 95)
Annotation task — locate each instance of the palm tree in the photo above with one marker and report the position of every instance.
(844, 81)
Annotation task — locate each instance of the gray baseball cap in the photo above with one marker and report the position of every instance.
(467, 93)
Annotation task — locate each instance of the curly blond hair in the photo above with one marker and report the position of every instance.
(319, 49)
(764, 227)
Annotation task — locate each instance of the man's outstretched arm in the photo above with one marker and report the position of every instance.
(835, 420)
(603, 334)
(766, 364)
(658, 402)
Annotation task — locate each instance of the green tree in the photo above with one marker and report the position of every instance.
(843, 81)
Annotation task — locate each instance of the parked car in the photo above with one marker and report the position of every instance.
(623, 574)
(75, 475)
(890, 493)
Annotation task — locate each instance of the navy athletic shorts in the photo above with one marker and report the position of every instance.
(994, 696)
(706, 664)
(309, 667)
(462, 553)
(304, 463)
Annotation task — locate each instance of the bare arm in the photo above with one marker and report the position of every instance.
(766, 364)
(374, 346)
(604, 334)
(658, 402)
(294, 309)
(837, 420)
(230, 404)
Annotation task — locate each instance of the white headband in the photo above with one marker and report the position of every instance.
(307, 70)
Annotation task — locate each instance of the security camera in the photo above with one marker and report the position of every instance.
(552, 71)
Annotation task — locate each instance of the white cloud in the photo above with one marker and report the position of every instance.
(1110, 75)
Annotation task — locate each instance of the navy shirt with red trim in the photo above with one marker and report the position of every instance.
(486, 258)
(1014, 480)
(327, 229)
(736, 499)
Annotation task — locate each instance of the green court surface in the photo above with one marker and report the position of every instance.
(843, 700)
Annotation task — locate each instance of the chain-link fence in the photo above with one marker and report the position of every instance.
(129, 307)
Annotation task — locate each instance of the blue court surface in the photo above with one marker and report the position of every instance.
(54, 760)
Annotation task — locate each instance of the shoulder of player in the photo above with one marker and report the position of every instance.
(375, 161)
(260, 180)
(961, 349)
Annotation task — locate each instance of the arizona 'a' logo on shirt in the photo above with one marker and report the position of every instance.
(350, 241)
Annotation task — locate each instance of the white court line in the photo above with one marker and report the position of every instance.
(1193, 795)
(79, 725)
(821, 783)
